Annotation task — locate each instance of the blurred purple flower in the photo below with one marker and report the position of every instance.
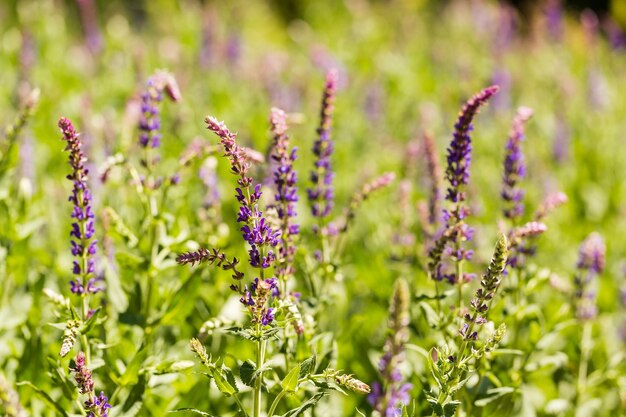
(591, 262)
(514, 167)
(286, 196)
(321, 194)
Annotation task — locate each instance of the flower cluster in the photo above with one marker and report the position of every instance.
(95, 405)
(460, 149)
(488, 285)
(256, 296)
(285, 197)
(83, 228)
(150, 122)
(321, 194)
(591, 262)
(519, 245)
(514, 168)
(256, 230)
(389, 397)
(457, 174)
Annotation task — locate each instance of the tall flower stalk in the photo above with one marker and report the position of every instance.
(591, 263)
(321, 194)
(450, 369)
(389, 397)
(514, 167)
(285, 197)
(457, 173)
(263, 240)
(83, 243)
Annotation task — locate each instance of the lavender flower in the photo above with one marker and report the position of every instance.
(150, 122)
(321, 194)
(458, 173)
(520, 242)
(95, 405)
(285, 198)
(550, 203)
(514, 168)
(389, 397)
(554, 19)
(591, 262)
(83, 227)
(255, 230)
(460, 150)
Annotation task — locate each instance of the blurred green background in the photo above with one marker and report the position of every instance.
(404, 66)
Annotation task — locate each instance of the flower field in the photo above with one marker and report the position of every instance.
(312, 208)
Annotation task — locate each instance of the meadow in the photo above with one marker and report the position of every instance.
(317, 208)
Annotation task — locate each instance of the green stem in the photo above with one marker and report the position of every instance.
(275, 403)
(585, 350)
(258, 385)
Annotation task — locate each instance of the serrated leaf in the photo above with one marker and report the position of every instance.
(307, 366)
(305, 406)
(247, 372)
(290, 382)
(191, 410)
(44, 396)
(437, 408)
(450, 408)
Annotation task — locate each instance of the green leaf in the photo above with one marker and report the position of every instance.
(44, 396)
(307, 366)
(305, 406)
(222, 384)
(290, 383)
(247, 372)
(91, 321)
(437, 408)
(191, 410)
(494, 394)
(170, 367)
(450, 408)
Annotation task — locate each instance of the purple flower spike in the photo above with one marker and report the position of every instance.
(150, 122)
(591, 262)
(460, 150)
(321, 195)
(285, 192)
(256, 230)
(457, 174)
(83, 244)
(514, 168)
(389, 397)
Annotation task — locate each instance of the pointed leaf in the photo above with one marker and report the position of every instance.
(290, 383)
(44, 396)
(191, 410)
(307, 366)
(305, 406)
